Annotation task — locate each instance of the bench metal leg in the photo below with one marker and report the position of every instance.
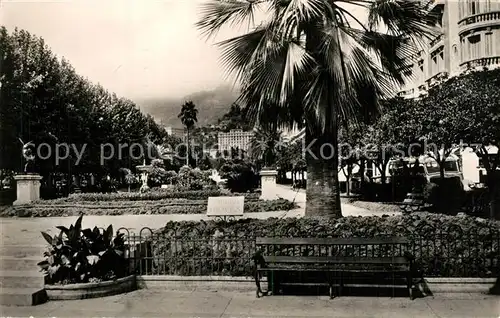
(274, 283)
(393, 283)
(331, 291)
(341, 283)
(259, 292)
(410, 284)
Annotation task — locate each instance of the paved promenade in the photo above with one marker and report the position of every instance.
(182, 303)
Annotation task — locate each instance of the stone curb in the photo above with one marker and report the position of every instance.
(228, 283)
(460, 285)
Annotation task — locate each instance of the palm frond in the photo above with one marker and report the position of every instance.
(411, 18)
(217, 13)
(393, 51)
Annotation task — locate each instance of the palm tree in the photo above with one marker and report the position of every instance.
(265, 145)
(314, 61)
(188, 116)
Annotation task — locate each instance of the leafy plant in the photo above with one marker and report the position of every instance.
(240, 175)
(79, 255)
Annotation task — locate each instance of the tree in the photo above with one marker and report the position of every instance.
(44, 100)
(235, 118)
(188, 116)
(472, 103)
(240, 175)
(265, 145)
(313, 60)
(350, 152)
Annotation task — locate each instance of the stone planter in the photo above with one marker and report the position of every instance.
(91, 290)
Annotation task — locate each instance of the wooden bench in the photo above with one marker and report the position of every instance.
(331, 261)
(413, 202)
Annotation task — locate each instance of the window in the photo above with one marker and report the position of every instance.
(497, 44)
(488, 40)
(474, 48)
(473, 7)
(463, 50)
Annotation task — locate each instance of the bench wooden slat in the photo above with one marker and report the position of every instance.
(330, 241)
(398, 260)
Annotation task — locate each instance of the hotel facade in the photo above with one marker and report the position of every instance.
(236, 138)
(469, 39)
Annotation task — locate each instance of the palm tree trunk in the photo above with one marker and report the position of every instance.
(322, 191)
(187, 148)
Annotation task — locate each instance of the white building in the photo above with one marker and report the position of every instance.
(235, 138)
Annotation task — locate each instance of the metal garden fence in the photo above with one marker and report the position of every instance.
(215, 252)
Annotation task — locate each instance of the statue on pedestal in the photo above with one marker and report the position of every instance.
(28, 182)
(29, 156)
(144, 179)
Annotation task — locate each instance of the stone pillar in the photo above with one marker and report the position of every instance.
(268, 184)
(28, 188)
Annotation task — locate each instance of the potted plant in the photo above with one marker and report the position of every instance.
(85, 263)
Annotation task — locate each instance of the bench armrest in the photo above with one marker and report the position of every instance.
(258, 259)
(409, 256)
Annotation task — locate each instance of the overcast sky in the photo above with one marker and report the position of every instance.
(135, 48)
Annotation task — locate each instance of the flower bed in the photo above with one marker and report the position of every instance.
(444, 246)
(170, 206)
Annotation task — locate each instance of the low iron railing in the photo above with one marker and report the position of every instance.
(219, 251)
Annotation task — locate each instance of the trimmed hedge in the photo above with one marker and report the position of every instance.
(7, 196)
(444, 246)
(172, 206)
(151, 196)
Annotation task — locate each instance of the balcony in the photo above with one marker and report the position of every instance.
(479, 21)
(484, 62)
(436, 79)
(436, 42)
(407, 94)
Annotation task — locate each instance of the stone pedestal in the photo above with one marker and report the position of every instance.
(28, 188)
(268, 184)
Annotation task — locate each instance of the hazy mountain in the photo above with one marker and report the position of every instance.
(211, 106)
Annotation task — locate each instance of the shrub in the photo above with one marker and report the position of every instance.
(7, 196)
(240, 176)
(443, 245)
(82, 256)
(159, 194)
(271, 205)
(445, 195)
